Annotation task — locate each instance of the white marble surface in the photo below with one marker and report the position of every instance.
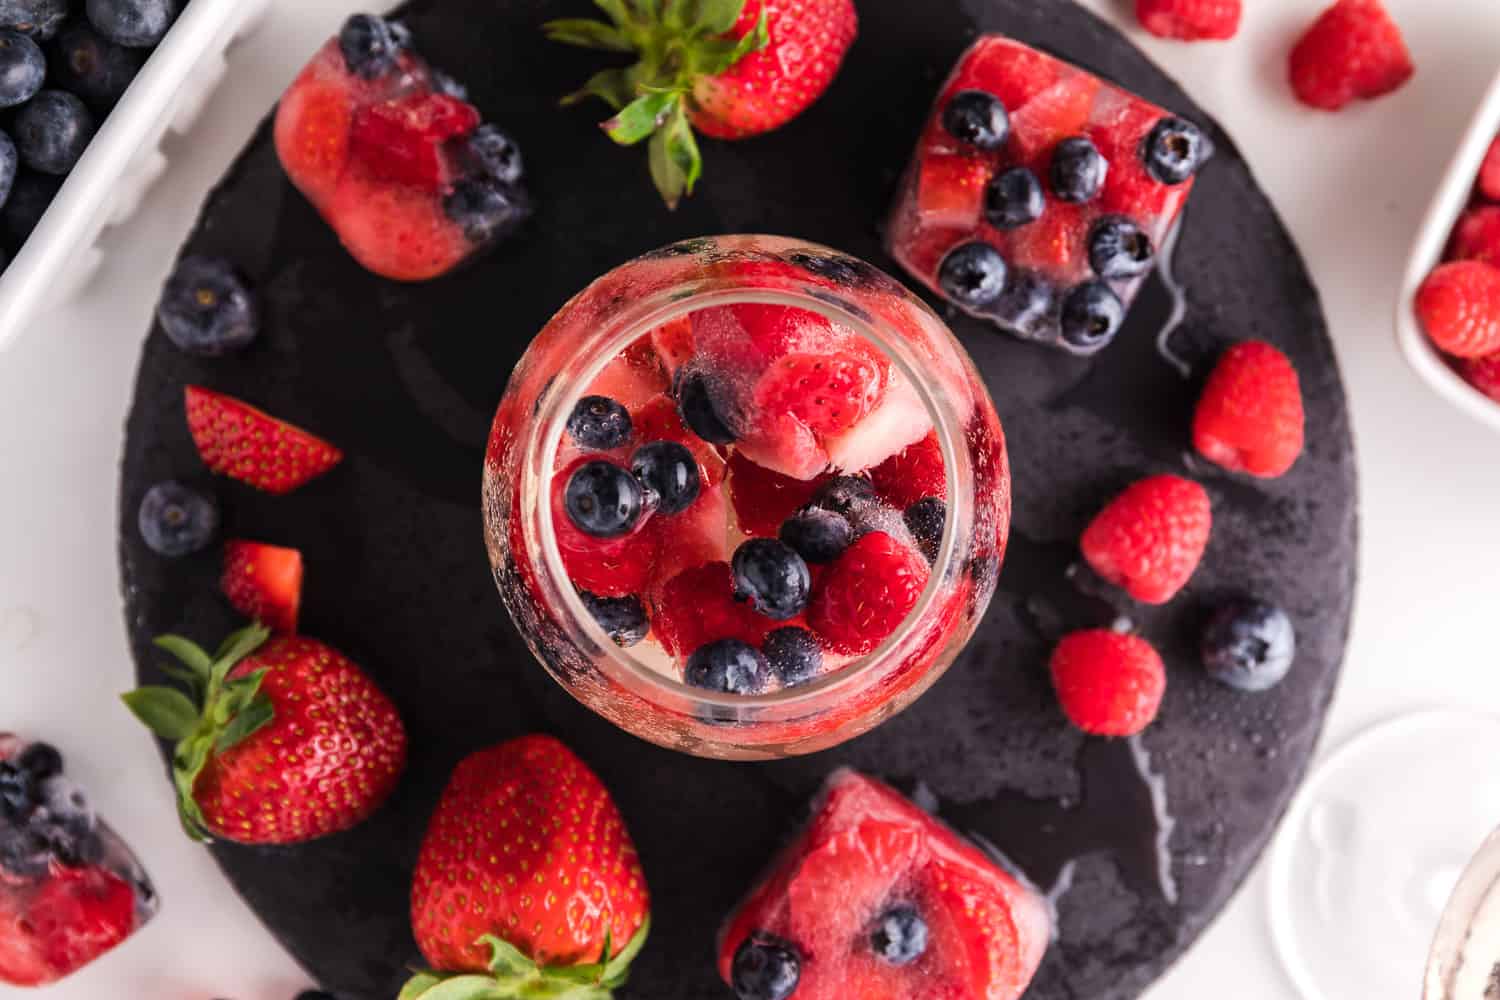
(1352, 187)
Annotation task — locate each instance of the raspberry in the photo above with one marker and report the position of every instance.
(1150, 538)
(764, 499)
(867, 593)
(698, 607)
(1477, 235)
(1108, 684)
(911, 475)
(828, 393)
(1354, 50)
(1489, 173)
(1190, 20)
(1483, 374)
(1249, 418)
(1459, 307)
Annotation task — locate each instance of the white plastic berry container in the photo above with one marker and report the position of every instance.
(1452, 197)
(122, 161)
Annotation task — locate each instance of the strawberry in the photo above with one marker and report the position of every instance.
(697, 607)
(1483, 374)
(867, 593)
(237, 440)
(756, 335)
(1013, 73)
(264, 582)
(763, 499)
(634, 377)
(827, 393)
(1053, 115)
(1249, 418)
(527, 883)
(950, 190)
(393, 231)
(401, 140)
(1353, 50)
(75, 915)
(912, 475)
(607, 567)
(1477, 235)
(736, 69)
(1459, 307)
(282, 741)
(876, 898)
(1108, 683)
(1150, 538)
(674, 343)
(1489, 172)
(312, 127)
(1190, 20)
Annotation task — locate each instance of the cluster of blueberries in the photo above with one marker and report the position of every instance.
(44, 817)
(63, 65)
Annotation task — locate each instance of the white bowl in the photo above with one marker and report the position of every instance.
(1452, 197)
(122, 161)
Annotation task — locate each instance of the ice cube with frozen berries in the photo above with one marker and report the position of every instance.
(70, 890)
(754, 492)
(394, 157)
(878, 898)
(1040, 195)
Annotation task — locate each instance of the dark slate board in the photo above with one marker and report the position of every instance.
(405, 379)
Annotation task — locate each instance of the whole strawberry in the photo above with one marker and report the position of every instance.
(280, 742)
(1108, 683)
(1250, 417)
(732, 69)
(527, 873)
(1150, 538)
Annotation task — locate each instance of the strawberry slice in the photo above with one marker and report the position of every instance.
(950, 190)
(264, 582)
(763, 499)
(827, 393)
(237, 440)
(1058, 112)
(914, 474)
(786, 445)
(698, 607)
(402, 140)
(674, 343)
(634, 377)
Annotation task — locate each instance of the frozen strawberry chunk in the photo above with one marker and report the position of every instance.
(764, 499)
(1039, 195)
(400, 167)
(877, 898)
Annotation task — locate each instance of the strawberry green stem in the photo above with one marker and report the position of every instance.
(514, 976)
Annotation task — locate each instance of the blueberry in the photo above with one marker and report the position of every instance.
(1118, 248)
(17, 792)
(23, 854)
(1091, 316)
(817, 535)
(669, 471)
(138, 24)
(30, 194)
(175, 520)
(38, 18)
(977, 118)
(487, 210)
(65, 820)
(900, 935)
(400, 34)
(926, 519)
(695, 401)
(91, 66)
(52, 131)
(369, 46)
(622, 618)
(495, 154)
(206, 309)
(729, 666)
(1078, 169)
(973, 276)
(599, 422)
(1014, 198)
(442, 83)
(794, 655)
(845, 495)
(40, 760)
(1175, 149)
(22, 68)
(772, 577)
(603, 499)
(1249, 645)
(1026, 303)
(841, 269)
(7, 168)
(765, 968)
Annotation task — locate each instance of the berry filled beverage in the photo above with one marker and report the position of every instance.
(70, 890)
(746, 497)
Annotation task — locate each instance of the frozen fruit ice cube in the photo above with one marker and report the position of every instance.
(70, 889)
(878, 898)
(1101, 157)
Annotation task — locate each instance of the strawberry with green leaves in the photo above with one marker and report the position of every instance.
(278, 741)
(731, 69)
(527, 884)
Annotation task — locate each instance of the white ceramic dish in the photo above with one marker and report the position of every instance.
(1452, 197)
(122, 161)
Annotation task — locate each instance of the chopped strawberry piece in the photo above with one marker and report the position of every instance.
(950, 190)
(898, 420)
(634, 377)
(75, 916)
(608, 567)
(1477, 235)
(1129, 189)
(1057, 243)
(395, 230)
(828, 393)
(1459, 307)
(674, 343)
(312, 131)
(1249, 418)
(698, 607)
(659, 420)
(1353, 50)
(867, 593)
(237, 440)
(1108, 683)
(1052, 116)
(747, 337)
(693, 538)
(1190, 20)
(1150, 539)
(1012, 72)
(764, 499)
(786, 445)
(264, 582)
(402, 140)
(1489, 173)
(1483, 374)
(914, 474)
